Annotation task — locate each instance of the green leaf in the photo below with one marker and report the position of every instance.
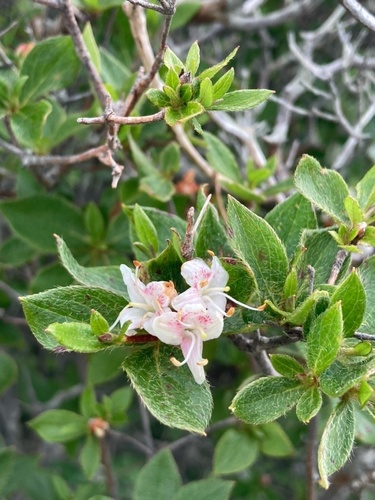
(193, 60)
(27, 123)
(367, 276)
(241, 279)
(106, 365)
(183, 114)
(369, 236)
(158, 98)
(51, 65)
(77, 337)
(286, 365)
(120, 401)
(94, 222)
(72, 304)
(266, 399)
(91, 46)
(290, 218)
(8, 371)
(353, 210)
(221, 158)
(88, 405)
(240, 191)
(324, 339)
(105, 277)
(366, 190)
(300, 314)
(113, 71)
(157, 186)
(223, 84)
(159, 479)
(234, 452)
(273, 440)
(37, 218)
(210, 72)
(14, 252)
(172, 79)
(352, 295)
(143, 162)
(257, 244)
(340, 377)
(59, 426)
(337, 441)
(184, 12)
(323, 187)
(170, 160)
(98, 324)
(206, 95)
(309, 404)
(364, 393)
(145, 229)
(240, 100)
(171, 60)
(170, 393)
(206, 489)
(89, 457)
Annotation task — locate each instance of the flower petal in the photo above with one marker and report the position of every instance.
(195, 356)
(195, 271)
(167, 327)
(135, 286)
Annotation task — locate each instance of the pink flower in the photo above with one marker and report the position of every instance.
(189, 328)
(146, 301)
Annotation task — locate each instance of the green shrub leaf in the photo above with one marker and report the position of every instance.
(59, 426)
(309, 404)
(240, 100)
(234, 452)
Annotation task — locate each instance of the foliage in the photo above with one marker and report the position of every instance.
(118, 285)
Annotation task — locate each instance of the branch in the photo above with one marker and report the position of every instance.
(82, 52)
(360, 13)
(122, 120)
(261, 343)
(337, 265)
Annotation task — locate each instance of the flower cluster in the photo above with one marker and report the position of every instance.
(187, 319)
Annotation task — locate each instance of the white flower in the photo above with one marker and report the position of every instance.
(189, 328)
(146, 301)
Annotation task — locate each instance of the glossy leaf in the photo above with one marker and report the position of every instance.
(309, 404)
(234, 452)
(324, 339)
(59, 426)
(159, 479)
(337, 441)
(257, 244)
(323, 187)
(290, 218)
(352, 295)
(240, 100)
(170, 393)
(105, 277)
(266, 399)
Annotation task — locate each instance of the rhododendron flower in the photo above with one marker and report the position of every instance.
(188, 328)
(146, 301)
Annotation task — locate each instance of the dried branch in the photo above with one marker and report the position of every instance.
(360, 13)
(261, 343)
(122, 120)
(337, 265)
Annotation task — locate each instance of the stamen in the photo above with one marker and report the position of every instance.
(203, 283)
(230, 312)
(210, 252)
(260, 308)
(175, 362)
(203, 362)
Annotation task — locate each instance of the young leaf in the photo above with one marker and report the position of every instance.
(353, 210)
(223, 84)
(364, 393)
(257, 244)
(89, 457)
(366, 190)
(352, 295)
(309, 404)
(337, 441)
(209, 489)
(171, 79)
(193, 60)
(367, 275)
(221, 157)
(170, 393)
(92, 47)
(183, 114)
(171, 60)
(210, 72)
(76, 337)
(240, 100)
(158, 98)
(300, 314)
(234, 452)
(206, 93)
(98, 324)
(290, 218)
(59, 426)
(286, 365)
(324, 188)
(266, 399)
(159, 479)
(324, 339)
(145, 229)
(106, 277)
(51, 65)
(273, 440)
(27, 123)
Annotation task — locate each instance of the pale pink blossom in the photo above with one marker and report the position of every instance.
(189, 328)
(146, 301)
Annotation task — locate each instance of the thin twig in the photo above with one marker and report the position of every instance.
(145, 417)
(261, 343)
(120, 436)
(360, 13)
(122, 120)
(311, 468)
(337, 265)
(110, 478)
